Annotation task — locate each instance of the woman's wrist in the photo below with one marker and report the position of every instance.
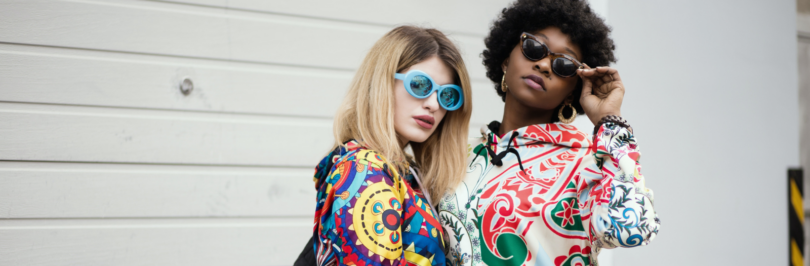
(614, 120)
(596, 119)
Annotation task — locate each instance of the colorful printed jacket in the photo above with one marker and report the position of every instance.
(367, 214)
(558, 203)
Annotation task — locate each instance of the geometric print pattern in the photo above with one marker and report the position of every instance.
(367, 213)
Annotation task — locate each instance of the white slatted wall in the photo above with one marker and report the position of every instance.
(103, 161)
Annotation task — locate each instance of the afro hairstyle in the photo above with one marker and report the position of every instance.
(573, 17)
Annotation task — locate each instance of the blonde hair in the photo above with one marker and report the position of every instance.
(367, 112)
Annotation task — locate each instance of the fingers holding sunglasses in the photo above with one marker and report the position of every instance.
(587, 85)
(602, 92)
(606, 73)
(589, 74)
(591, 83)
(611, 81)
(603, 80)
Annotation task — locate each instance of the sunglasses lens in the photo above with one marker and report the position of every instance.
(449, 97)
(564, 67)
(534, 50)
(421, 85)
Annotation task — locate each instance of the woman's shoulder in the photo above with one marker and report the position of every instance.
(362, 161)
(364, 156)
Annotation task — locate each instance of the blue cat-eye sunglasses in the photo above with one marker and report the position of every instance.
(420, 85)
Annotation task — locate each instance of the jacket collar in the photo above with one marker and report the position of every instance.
(552, 133)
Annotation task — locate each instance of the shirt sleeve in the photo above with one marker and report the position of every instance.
(361, 216)
(622, 213)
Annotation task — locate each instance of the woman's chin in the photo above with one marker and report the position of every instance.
(419, 140)
(416, 136)
(528, 99)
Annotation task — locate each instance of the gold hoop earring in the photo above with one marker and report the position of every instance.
(504, 88)
(573, 113)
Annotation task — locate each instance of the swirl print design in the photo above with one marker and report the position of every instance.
(574, 197)
(367, 214)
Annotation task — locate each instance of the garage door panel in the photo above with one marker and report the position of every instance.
(138, 81)
(84, 134)
(380, 12)
(163, 29)
(76, 190)
(153, 242)
(156, 28)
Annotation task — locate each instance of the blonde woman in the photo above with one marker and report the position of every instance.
(373, 206)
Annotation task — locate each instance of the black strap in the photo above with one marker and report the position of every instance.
(496, 159)
(307, 257)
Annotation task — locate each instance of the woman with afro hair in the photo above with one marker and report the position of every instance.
(539, 191)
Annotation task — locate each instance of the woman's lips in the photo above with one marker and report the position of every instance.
(535, 82)
(424, 121)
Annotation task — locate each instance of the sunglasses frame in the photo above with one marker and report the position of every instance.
(406, 80)
(553, 56)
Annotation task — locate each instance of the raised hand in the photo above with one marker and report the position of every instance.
(602, 92)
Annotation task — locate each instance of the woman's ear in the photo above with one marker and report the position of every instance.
(569, 99)
(504, 65)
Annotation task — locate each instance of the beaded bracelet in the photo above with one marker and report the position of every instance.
(615, 119)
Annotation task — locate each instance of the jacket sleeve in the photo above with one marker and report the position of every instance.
(622, 213)
(360, 221)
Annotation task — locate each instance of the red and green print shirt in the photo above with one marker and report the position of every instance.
(557, 198)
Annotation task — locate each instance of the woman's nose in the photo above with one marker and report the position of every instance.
(431, 102)
(543, 65)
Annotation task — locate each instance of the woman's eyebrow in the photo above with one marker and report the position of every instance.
(572, 52)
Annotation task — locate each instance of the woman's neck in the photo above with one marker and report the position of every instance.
(402, 142)
(516, 115)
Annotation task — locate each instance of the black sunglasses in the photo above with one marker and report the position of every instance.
(562, 64)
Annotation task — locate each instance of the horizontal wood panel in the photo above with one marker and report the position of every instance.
(76, 190)
(83, 134)
(153, 242)
(200, 32)
(52, 75)
(156, 28)
(467, 17)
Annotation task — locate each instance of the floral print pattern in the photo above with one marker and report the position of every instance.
(575, 195)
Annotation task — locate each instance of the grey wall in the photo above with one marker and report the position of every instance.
(712, 95)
